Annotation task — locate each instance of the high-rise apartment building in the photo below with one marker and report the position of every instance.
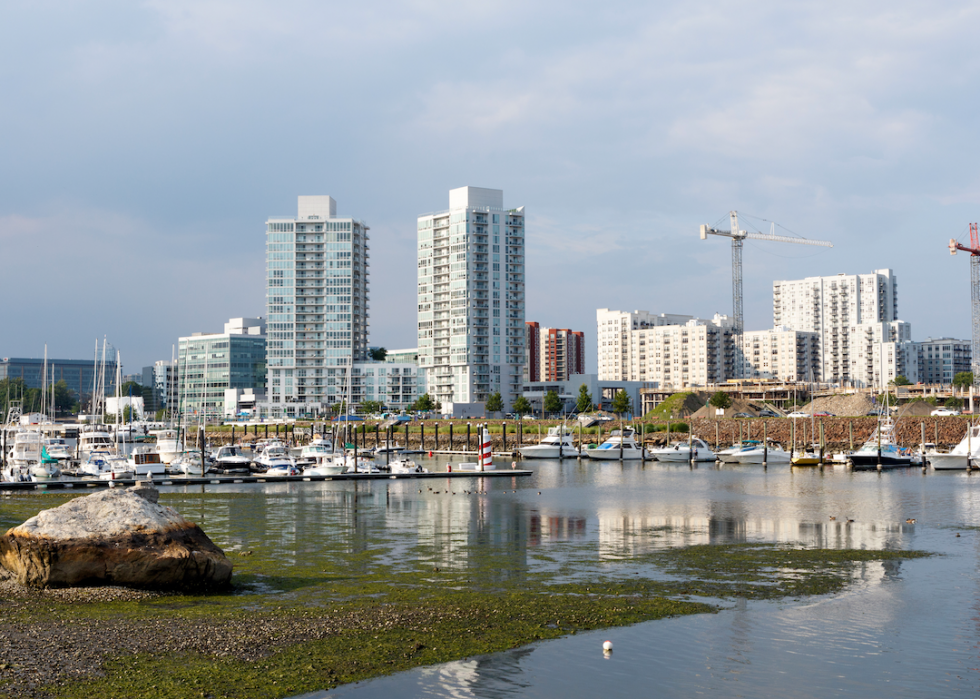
(471, 298)
(673, 350)
(552, 354)
(781, 353)
(852, 315)
(317, 302)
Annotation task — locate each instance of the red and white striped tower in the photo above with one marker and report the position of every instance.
(486, 450)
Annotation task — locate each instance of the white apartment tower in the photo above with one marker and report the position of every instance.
(471, 298)
(317, 302)
(854, 316)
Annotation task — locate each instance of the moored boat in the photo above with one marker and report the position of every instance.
(681, 451)
(556, 445)
(621, 445)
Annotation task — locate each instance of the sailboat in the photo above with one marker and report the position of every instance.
(881, 450)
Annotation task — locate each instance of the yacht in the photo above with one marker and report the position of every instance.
(26, 451)
(326, 465)
(557, 444)
(58, 448)
(808, 457)
(620, 445)
(314, 452)
(189, 463)
(94, 438)
(231, 458)
(960, 457)
(730, 455)
(681, 451)
(145, 461)
(96, 463)
(169, 445)
(275, 460)
(769, 454)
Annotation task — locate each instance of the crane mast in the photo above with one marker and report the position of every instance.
(974, 250)
(738, 239)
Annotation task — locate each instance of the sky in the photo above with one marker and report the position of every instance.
(144, 144)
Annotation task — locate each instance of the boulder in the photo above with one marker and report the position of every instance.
(116, 537)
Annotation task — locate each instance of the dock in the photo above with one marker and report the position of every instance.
(83, 484)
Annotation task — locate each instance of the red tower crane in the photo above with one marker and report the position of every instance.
(974, 250)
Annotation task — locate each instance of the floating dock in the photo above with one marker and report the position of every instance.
(82, 484)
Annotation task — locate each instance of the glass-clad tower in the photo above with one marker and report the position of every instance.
(471, 298)
(317, 302)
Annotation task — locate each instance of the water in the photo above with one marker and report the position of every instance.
(904, 628)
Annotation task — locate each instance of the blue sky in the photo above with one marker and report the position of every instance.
(145, 143)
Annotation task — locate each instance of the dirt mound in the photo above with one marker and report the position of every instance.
(918, 408)
(738, 406)
(852, 405)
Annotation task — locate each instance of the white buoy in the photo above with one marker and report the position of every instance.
(607, 646)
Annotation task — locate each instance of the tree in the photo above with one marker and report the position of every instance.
(521, 406)
(378, 354)
(584, 402)
(621, 403)
(424, 404)
(552, 403)
(720, 400)
(900, 381)
(963, 379)
(136, 388)
(372, 406)
(161, 415)
(953, 403)
(494, 403)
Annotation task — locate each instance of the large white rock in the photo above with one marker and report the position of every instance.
(116, 537)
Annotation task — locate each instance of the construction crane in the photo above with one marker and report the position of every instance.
(974, 251)
(738, 237)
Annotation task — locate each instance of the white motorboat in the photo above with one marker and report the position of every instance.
(730, 455)
(769, 454)
(58, 448)
(94, 438)
(189, 463)
(26, 451)
(960, 456)
(232, 458)
(620, 445)
(283, 469)
(326, 465)
(96, 463)
(557, 444)
(145, 461)
(406, 466)
(120, 469)
(274, 456)
(680, 452)
(313, 453)
(364, 464)
(388, 448)
(168, 445)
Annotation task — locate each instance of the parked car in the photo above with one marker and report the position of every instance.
(943, 412)
(768, 413)
(798, 414)
(743, 415)
(823, 413)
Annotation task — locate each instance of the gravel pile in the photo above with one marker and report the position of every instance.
(853, 405)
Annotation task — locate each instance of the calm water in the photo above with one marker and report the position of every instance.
(909, 628)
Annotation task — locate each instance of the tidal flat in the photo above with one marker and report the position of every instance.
(339, 583)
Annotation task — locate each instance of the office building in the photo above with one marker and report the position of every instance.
(940, 360)
(317, 302)
(160, 386)
(78, 374)
(208, 364)
(471, 298)
(552, 354)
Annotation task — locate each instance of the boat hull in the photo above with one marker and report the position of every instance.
(869, 462)
(948, 462)
(548, 452)
(613, 454)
